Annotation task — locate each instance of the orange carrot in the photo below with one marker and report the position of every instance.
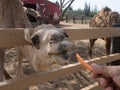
(86, 65)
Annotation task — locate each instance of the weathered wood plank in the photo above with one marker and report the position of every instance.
(37, 78)
(94, 86)
(10, 37)
(90, 33)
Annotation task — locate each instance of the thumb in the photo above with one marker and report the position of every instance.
(97, 68)
(104, 70)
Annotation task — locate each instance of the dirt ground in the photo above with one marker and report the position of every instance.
(74, 81)
(70, 25)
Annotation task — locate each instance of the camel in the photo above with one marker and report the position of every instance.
(11, 17)
(105, 18)
(48, 47)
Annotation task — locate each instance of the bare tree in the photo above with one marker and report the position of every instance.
(87, 9)
(64, 5)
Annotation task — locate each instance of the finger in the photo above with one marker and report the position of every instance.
(101, 70)
(96, 68)
(109, 88)
(93, 76)
(103, 82)
(116, 79)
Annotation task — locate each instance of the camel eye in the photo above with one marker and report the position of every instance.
(36, 41)
(56, 37)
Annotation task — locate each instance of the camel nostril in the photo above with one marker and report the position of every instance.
(64, 52)
(62, 47)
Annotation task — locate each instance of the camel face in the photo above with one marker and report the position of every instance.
(51, 47)
(114, 18)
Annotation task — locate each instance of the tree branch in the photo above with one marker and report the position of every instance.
(65, 4)
(67, 7)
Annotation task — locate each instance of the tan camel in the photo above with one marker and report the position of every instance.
(104, 18)
(11, 17)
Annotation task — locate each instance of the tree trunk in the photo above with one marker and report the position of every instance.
(68, 4)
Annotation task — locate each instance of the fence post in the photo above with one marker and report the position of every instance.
(115, 47)
(66, 18)
(82, 18)
(73, 19)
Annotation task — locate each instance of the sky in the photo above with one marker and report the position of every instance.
(114, 5)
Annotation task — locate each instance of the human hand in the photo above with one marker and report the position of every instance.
(107, 76)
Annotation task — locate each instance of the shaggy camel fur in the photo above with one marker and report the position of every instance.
(104, 18)
(49, 44)
(11, 17)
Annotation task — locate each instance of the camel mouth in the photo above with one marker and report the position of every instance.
(63, 54)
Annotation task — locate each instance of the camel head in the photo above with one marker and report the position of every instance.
(50, 46)
(114, 18)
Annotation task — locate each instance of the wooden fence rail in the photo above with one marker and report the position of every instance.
(15, 37)
(20, 83)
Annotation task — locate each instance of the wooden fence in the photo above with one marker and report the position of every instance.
(77, 20)
(15, 37)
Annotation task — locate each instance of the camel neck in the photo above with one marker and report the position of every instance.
(12, 15)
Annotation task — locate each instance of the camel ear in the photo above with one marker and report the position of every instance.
(36, 41)
(66, 35)
(27, 35)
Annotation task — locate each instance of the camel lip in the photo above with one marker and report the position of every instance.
(63, 54)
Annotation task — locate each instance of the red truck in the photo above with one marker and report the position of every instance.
(46, 9)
